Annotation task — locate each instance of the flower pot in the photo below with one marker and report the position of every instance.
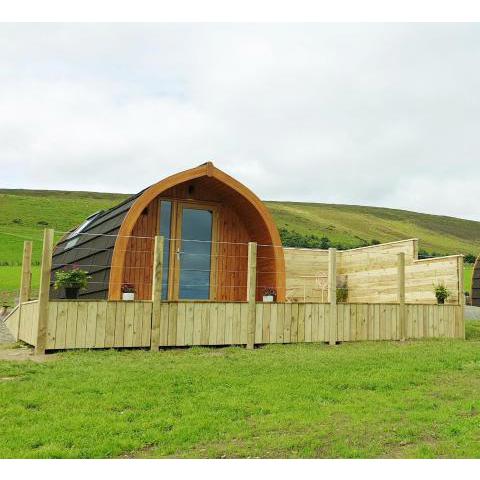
(71, 293)
(441, 301)
(268, 298)
(128, 296)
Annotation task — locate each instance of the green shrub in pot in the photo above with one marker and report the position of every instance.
(72, 280)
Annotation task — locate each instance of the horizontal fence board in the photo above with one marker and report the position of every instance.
(106, 324)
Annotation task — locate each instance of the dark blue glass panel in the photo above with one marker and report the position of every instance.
(165, 225)
(195, 256)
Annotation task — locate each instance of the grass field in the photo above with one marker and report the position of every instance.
(359, 400)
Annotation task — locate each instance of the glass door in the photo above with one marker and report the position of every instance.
(189, 262)
(194, 252)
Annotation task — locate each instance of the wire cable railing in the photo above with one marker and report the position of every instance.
(227, 265)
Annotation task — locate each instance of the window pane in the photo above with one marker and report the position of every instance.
(195, 257)
(165, 220)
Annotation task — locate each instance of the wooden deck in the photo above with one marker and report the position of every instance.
(108, 324)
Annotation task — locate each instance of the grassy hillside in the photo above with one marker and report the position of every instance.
(24, 214)
(351, 225)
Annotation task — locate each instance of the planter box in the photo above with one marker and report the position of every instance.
(268, 298)
(128, 296)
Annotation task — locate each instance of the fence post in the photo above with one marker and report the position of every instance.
(44, 292)
(461, 287)
(251, 294)
(401, 294)
(332, 294)
(157, 292)
(26, 280)
(461, 296)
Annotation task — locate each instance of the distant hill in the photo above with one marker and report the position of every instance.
(24, 213)
(352, 225)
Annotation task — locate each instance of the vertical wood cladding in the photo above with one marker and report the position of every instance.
(138, 269)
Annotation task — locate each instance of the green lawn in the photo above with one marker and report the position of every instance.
(468, 277)
(384, 399)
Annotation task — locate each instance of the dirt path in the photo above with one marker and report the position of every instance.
(472, 313)
(9, 350)
(21, 354)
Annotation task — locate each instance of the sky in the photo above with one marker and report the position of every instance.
(368, 114)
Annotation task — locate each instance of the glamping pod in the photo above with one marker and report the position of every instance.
(207, 219)
(476, 284)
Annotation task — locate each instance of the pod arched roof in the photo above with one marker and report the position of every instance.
(149, 194)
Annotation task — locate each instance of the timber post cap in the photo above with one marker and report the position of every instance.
(209, 168)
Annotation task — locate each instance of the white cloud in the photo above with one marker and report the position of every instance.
(374, 114)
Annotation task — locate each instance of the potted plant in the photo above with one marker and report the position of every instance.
(342, 294)
(269, 294)
(442, 293)
(128, 292)
(72, 281)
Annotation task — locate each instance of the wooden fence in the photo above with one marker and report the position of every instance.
(57, 325)
(23, 322)
(106, 324)
(371, 274)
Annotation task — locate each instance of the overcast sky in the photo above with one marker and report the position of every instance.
(369, 114)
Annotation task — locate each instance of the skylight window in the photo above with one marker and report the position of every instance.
(73, 236)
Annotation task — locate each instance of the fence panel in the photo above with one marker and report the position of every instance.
(28, 322)
(106, 324)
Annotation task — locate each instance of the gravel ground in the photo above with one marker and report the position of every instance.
(472, 313)
(5, 335)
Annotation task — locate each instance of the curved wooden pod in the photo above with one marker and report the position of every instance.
(242, 218)
(476, 283)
